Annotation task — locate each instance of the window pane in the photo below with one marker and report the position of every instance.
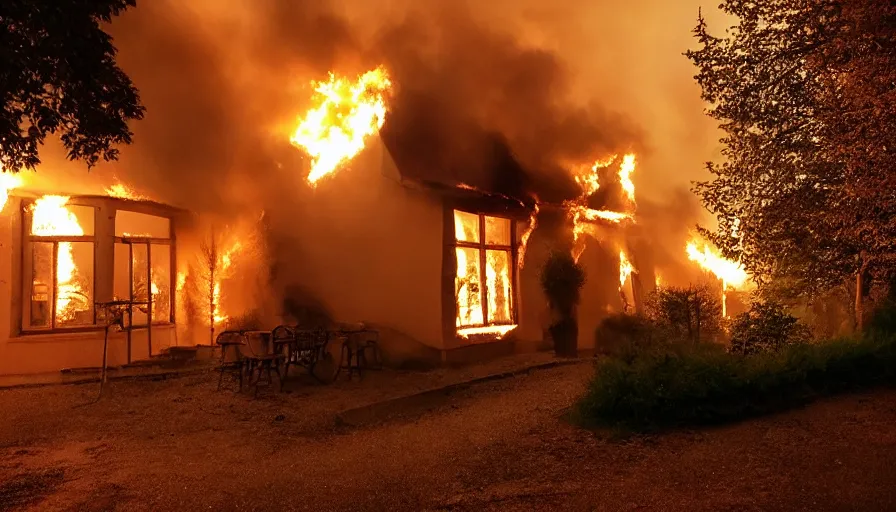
(53, 216)
(497, 281)
(497, 231)
(41, 284)
(74, 284)
(466, 227)
(121, 278)
(160, 255)
(139, 258)
(468, 293)
(133, 224)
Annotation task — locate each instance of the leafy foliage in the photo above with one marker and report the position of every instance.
(562, 279)
(625, 336)
(804, 91)
(59, 75)
(766, 328)
(689, 314)
(705, 385)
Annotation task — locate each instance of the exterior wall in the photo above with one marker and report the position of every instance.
(362, 247)
(47, 352)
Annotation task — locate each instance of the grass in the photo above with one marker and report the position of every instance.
(701, 386)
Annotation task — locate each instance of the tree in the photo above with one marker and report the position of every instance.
(59, 76)
(804, 91)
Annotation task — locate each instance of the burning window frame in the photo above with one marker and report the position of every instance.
(103, 240)
(148, 241)
(27, 274)
(487, 327)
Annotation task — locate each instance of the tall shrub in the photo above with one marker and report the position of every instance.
(562, 279)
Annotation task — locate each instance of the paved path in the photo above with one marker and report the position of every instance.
(500, 446)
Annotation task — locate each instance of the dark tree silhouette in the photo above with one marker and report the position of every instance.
(58, 75)
(805, 91)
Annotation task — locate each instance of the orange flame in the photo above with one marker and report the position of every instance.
(346, 113)
(524, 239)
(122, 191)
(225, 261)
(50, 217)
(731, 273)
(625, 269)
(625, 176)
(590, 182)
(8, 181)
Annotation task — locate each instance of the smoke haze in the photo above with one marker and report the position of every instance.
(544, 86)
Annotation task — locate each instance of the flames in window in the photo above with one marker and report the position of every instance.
(483, 284)
(50, 217)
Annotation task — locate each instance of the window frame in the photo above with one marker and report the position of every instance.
(482, 247)
(147, 242)
(27, 283)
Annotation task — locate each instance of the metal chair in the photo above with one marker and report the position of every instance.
(232, 358)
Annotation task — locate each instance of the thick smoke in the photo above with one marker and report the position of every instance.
(507, 96)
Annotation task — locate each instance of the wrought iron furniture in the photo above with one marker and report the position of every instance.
(360, 351)
(232, 359)
(302, 347)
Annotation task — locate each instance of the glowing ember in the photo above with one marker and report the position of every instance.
(8, 181)
(50, 217)
(658, 281)
(729, 272)
(497, 330)
(346, 113)
(181, 281)
(122, 191)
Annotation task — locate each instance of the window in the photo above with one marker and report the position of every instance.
(58, 263)
(142, 265)
(484, 281)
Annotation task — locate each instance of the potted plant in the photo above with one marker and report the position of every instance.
(562, 279)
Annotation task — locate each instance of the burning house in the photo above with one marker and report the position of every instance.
(61, 255)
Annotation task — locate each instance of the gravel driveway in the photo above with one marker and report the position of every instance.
(179, 445)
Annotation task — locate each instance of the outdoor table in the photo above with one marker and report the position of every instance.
(302, 347)
(353, 356)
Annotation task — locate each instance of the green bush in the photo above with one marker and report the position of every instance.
(766, 328)
(704, 385)
(690, 314)
(627, 336)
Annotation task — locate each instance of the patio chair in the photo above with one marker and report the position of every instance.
(265, 365)
(233, 361)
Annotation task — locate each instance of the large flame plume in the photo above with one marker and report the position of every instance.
(345, 114)
(731, 273)
(584, 218)
(50, 217)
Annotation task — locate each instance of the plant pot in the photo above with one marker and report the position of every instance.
(565, 335)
